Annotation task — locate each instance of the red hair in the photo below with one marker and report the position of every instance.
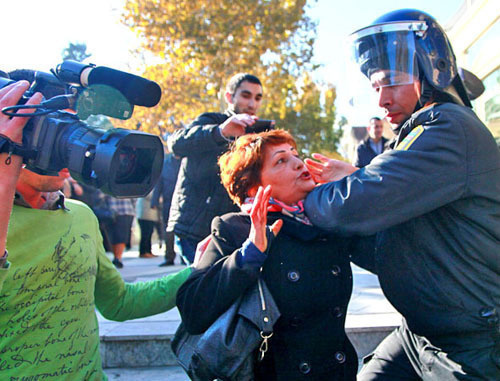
(242, 164)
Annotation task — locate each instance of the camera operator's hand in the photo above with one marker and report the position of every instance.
(236, 124)
(325, 169)
(9, 169)
(9, 96)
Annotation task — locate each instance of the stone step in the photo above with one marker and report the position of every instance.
(146, 342)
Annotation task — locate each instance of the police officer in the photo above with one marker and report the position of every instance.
(434, 201)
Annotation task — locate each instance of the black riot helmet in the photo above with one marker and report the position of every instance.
(405, 45)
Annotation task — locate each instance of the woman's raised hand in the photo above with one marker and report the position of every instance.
(325, 169)
(258, 216)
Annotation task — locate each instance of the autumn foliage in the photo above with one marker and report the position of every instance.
(192, 47)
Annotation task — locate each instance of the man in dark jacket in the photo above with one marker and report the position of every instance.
(437, 209)
(199, 196)
(373, 145)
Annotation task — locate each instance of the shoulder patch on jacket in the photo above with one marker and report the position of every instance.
(410, 139)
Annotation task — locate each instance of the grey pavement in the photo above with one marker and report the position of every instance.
(159, 373)
(369, 318)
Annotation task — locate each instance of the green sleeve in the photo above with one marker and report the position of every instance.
(117, 300)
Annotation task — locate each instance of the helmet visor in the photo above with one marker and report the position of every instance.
(386, 54)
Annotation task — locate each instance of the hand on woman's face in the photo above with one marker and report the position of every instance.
(325, 170)
(286, 173)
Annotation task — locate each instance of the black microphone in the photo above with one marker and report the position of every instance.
(138, 91)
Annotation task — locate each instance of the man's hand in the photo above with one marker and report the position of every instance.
(258, 216)
(9, 170)
(9, 96)
(326, 170)
(236, 124)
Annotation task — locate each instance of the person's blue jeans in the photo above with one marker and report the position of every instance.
(188, 248)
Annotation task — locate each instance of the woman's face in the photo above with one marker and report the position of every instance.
(286, 173)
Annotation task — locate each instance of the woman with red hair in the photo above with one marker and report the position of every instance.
(307, 271)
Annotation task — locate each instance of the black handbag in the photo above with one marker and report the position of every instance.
(227, 350)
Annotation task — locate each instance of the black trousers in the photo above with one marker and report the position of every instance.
(147, 228)
(405, 356)
(169, 246)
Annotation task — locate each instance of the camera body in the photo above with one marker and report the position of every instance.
(121, 162)
(260, 125)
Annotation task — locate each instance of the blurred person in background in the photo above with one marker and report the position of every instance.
(162, 199)
(374, 144)
(148, 219)
(119, 226)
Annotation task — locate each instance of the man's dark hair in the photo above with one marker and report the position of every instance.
(237, 79)
(375, 118)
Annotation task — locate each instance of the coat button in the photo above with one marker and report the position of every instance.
(336, 270)
(293, 276)
(337, 312)
(340, 357)
(304, 368)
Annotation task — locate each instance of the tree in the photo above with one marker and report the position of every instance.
(76, 52)
(311, 118)
(194, 47)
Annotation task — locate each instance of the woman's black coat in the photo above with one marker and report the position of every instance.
(310, 278)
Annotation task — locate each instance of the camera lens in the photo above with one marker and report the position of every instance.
(133, 165)
(127, 162)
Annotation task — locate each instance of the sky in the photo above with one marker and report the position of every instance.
(33, 34)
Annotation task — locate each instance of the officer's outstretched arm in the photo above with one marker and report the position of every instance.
(396, 186)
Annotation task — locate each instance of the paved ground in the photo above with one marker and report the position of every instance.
(163, 373)
(368, 307)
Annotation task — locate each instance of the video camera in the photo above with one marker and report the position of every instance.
(121, 162)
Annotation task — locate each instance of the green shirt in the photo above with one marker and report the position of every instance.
(58, 275)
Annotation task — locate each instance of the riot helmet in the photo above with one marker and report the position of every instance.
(405, 45)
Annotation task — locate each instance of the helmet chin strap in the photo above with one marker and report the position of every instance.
(455, 96)
(426, 94)
(430, 94)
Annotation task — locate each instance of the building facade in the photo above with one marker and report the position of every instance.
(474, 32)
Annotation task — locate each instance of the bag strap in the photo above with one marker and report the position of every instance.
(258, 306)
(267, 333)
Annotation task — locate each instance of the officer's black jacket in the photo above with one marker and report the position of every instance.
(199, 195)
(437, 208)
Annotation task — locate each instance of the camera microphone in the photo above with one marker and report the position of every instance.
(138, 91)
